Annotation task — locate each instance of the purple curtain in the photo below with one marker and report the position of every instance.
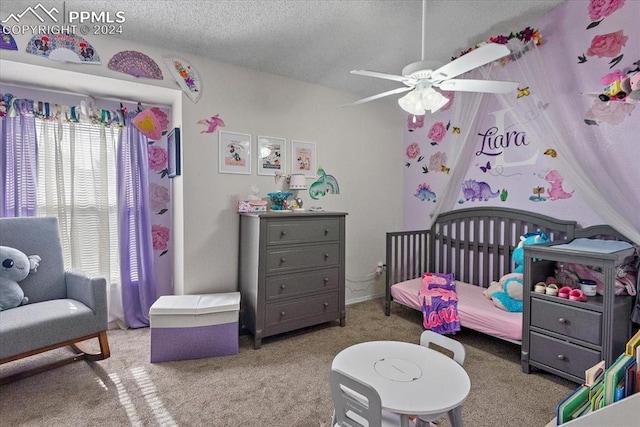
(19, 162)
(134, 226)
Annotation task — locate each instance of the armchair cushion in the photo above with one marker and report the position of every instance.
(44, 324)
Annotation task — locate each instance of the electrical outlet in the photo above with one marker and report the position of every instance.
(380, 268)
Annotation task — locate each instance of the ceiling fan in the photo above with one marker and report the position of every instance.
(423, 77)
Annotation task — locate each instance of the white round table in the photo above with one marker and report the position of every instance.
(411, 379)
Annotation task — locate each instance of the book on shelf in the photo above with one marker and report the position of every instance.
(594, 373)
(632, 345)
(572, 404)
(616, 374)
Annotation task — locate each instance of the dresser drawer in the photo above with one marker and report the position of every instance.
(296, 311)
(291, 285)
(309, 230)
(561, 355)
(302, 257)
(571, 321)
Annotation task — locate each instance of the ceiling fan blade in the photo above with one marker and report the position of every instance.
(488, 86)
(380, 95)
(476, 58)
(405, 80)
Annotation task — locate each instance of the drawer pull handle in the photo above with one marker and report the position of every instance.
(326, 231)
(282, 314)
(561, 357)
(282, 260)
(283, 286)
(326, 280)
(283, 233)
(326, 256)
(562, 320)
(326, 304)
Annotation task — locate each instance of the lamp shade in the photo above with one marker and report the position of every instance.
(412, 103)
(297, 182)
(433, 100)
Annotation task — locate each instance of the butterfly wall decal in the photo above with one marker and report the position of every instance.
(523, 92)
(551, 152)
(484, 169)
(455, 130)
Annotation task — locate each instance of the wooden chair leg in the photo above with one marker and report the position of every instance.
(82, 349)
(82, 353)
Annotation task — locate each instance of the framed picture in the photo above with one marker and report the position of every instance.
(234, 153)
(303, 158)
(173, 152)
(271, 155)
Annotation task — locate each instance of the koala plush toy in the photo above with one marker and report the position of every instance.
(14, 267)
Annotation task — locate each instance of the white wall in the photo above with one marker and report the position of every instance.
(361, 146)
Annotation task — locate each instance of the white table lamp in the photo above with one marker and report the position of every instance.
(297, 181)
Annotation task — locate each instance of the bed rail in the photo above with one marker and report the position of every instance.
(475, 244)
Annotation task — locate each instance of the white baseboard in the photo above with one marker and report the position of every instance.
(363, 299)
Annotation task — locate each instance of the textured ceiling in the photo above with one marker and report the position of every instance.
(317, 41)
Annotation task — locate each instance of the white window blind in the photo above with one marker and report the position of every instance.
(77, 184)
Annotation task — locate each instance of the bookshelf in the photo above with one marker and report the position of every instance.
(610, 397)
(621, 413)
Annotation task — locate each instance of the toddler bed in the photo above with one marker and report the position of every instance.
(476, 245)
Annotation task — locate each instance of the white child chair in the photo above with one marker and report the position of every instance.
(457, 349)
(357, 404)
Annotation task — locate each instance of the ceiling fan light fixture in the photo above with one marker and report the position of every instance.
(412, 103)
(432, 100)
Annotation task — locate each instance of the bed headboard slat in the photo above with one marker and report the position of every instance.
(475, 244)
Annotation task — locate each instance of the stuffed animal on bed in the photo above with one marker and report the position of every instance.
(14, 267)
(507, 292)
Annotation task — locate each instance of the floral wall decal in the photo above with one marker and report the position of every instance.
(438, 162)
(158, 159)
(437, 133)
(607, 45)
(413, 152)
(599, 9)
(159, 199)
(160, 235)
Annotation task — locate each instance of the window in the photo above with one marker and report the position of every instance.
(77, 184)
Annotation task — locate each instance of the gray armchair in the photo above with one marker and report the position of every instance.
(64, 308)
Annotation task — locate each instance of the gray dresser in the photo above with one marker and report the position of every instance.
(291, 271)
(567, 337)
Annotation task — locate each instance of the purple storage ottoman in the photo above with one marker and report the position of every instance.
(194, 326)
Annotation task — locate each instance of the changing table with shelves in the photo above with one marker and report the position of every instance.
(566, 337)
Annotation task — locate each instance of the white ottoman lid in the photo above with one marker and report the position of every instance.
(196, 304)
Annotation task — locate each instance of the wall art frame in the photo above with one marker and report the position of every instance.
(173, 153)
(271, 153)
(234, 152)
(303, 158)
